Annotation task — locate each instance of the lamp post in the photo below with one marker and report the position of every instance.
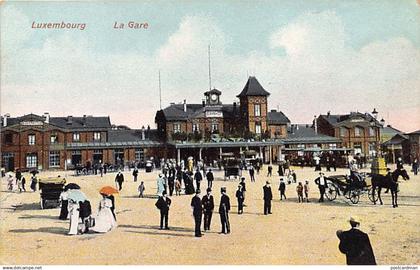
(375, 113)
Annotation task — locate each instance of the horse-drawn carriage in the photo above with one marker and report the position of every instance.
(349, 187)
(50, 190)
(231, 165)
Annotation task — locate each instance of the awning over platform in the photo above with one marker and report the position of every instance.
(227, 144)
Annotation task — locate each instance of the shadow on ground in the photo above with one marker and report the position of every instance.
(52, 230)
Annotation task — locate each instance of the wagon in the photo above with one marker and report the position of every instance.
(50, 190)
(149, 166)
(231, 165)
(351, 190)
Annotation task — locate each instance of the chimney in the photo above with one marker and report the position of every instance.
(203, 102)
(273, 110)
(185, 105)
(143, 135)
(172, 103)
(328, 114)
(6, 116)
(315, 125)
(84, 120)
(297, 127)
(69, 120)
(47, 117)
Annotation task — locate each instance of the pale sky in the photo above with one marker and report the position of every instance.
(312, 56)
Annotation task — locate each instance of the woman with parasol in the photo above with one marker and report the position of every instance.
(105, 220)
(75, 196)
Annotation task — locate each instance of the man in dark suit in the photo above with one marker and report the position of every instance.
(208, 207)
(322, 184)
(198, 177)
(163, 205)
(356, 245)
(171, 180)
(243, 184)
(268, 196)
(210, 178)
(224, 209)
(119, 178)
(240, 197)
(252, 173)
(197, 208)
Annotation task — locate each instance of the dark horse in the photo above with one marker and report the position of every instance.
(389, 181)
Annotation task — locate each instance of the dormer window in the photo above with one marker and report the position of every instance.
(96, 136)
(54, 138)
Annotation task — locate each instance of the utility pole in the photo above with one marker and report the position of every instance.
(160, 93)
(209, 68)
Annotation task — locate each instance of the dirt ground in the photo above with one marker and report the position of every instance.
(295, 233)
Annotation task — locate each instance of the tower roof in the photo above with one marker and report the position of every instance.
(253, 88)
(213, 91)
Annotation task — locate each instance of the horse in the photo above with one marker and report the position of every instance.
(389, 181)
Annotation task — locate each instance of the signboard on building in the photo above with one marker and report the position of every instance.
(212, 114)
(31, 123)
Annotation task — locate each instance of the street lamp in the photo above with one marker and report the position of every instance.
(375, 113)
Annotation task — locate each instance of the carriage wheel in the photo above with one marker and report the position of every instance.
(331, 193)
(354, 196)
(371, 192)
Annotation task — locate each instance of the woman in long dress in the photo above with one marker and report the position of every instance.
(104, 221)
(64, 205)
(74, 217)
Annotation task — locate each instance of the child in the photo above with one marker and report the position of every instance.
(299, 190)
(306, 190)
(177, 188)
(282, 189)
(10, 182)
(141, 189)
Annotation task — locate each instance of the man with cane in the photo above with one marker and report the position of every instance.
(224, 209)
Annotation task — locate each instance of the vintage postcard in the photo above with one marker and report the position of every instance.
(273, 132)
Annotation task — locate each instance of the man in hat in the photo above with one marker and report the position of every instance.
(240, 197)
(210, 178)
(197, 208)
(322, 184)
(224, 208)
(198, 177)
(163, 205)
(268, 196)
(208, 206)
(242, 183)
(119, 178)
(356, 245)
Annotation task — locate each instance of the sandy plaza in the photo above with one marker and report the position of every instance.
(295, 233)
(155, 133)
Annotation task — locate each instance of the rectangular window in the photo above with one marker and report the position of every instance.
(372, 132)
(96, 136)
(31, 139)
(31, 161)
(76, 137)
(257, 109)
(257, 128)
(55, 159)
(357, 132)
(343, 132)
(54, 139)
(214, 127)
(301, 146)
(8, 138)
(332, 145)
(195, 128)
(177, 128)
(139, 154)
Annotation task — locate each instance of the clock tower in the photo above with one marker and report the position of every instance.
(213, 97)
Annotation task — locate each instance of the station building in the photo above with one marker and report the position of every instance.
(204, 131)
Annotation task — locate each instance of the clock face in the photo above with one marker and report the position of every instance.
(214, 97)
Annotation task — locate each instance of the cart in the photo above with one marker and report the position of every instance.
(50, 190)
(231, 165)
(149, 166)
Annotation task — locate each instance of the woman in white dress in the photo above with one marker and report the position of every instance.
(74, 217)
(104, 221)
